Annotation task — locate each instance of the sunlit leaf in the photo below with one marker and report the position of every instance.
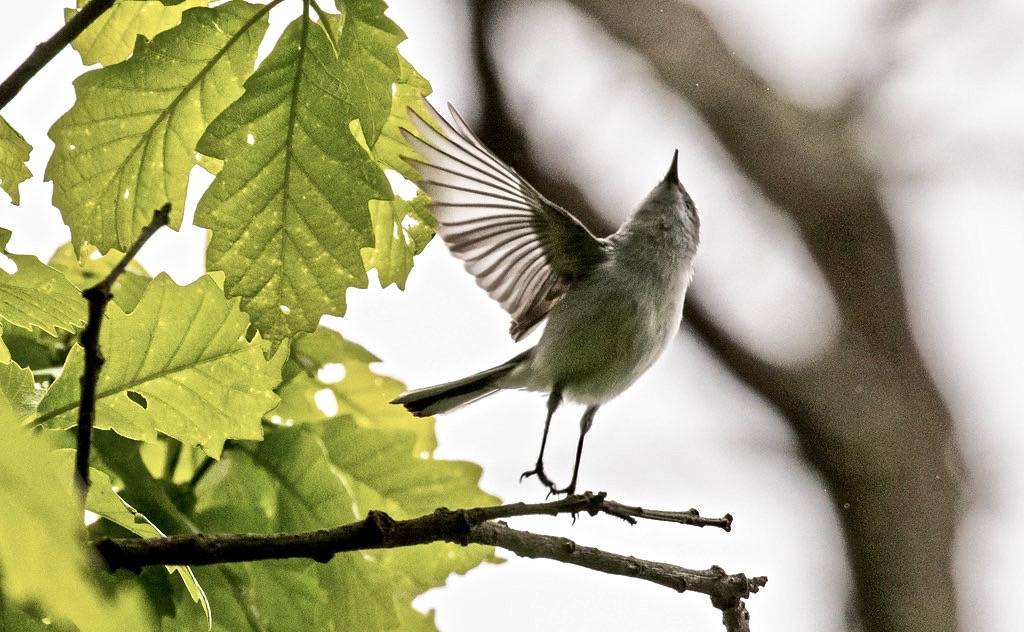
(37, 296)
(43, 555)
(127, 145)
(104, 501)
(342, 368)
(322, 475)
(17, 390)
(289, 210)
(369, 62)
(179, 364)
(401, 229)
(111, 38)
(90, 268)
(390, 148)
(14, 153)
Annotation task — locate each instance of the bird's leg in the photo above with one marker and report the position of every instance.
(585, 422)
(553, 401)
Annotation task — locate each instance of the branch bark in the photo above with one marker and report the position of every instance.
(479, 525)
(46, 51)
(98, 296)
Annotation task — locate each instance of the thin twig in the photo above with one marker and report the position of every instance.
(98, 296)
(46, 51)
(690, 517)
(464, 526)
(726, 591)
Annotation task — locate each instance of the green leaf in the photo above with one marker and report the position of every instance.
(322, 475)
(127, 145)
(360, 392)
(37, 295)
(289, 211)
(370, 62)
(18, 394)
(104, 501)
(36, 349)
(14, 153)
(179, 364)
(43, 554)
(401, 229)
(15, 619)
(111, 38)
(390, 148)
(90, 268)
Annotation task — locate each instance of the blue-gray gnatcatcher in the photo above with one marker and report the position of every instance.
(612, 304)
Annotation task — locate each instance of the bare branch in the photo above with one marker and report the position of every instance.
(46, 51)
(463, 526)
(736, 618)
(725, 590)
(98, 296)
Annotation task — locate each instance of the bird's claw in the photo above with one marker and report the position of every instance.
(568, 491)
(538, 471)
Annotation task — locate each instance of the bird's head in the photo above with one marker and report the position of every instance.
(671, 193)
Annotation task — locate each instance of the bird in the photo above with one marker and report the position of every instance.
(611, 304)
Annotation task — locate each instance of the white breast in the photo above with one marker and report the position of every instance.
(608, 330)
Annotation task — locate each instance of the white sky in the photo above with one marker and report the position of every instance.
(944, 127)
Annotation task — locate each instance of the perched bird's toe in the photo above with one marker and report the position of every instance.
(538, 471)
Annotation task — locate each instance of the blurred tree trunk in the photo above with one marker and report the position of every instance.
(866, 412)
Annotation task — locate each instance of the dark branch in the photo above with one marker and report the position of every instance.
(98, 296)
(725, 590)
(464, 526)
(690, 517)
(46, 51)
(736, 618)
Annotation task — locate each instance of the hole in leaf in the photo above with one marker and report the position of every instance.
(138, 398)
(326, 401)
(331, 373)
(285, 309)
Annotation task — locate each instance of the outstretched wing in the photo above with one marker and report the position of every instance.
(524, 250)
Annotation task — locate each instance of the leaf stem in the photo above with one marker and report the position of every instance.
(98, 296)
(46, 51)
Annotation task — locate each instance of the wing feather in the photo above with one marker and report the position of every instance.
(523, 250)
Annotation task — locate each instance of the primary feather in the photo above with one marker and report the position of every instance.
(524, 250)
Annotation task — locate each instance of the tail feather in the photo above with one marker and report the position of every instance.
(446, 397)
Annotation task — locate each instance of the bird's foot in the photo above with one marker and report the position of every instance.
(538, 471)
(568, 490)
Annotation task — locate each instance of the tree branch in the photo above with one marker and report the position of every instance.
(46, 51)
(98, 296)
(479, 525)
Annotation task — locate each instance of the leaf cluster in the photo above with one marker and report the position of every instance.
(222, 406)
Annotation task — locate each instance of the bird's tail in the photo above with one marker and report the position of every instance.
(442, 398)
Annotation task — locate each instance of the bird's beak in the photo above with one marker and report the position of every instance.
(673, 171)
